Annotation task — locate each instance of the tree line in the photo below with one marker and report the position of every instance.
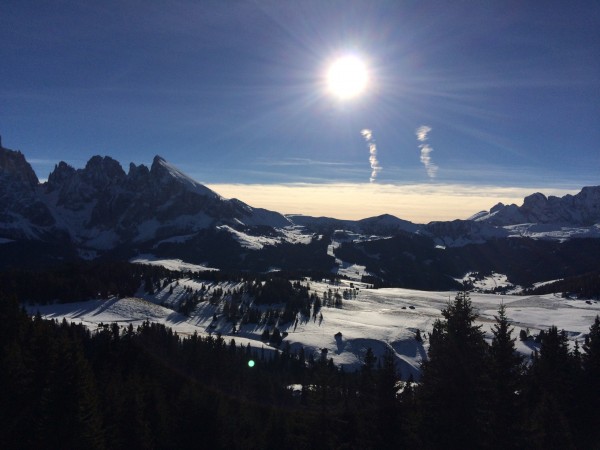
(85, 280)
(65, 386)
(586, 286)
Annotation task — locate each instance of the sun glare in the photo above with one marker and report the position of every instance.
(347, 77)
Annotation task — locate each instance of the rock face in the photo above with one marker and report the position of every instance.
(23, 213)
(582, 209)
(14, 167)
(100, 206)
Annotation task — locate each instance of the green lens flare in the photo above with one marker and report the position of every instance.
(251, 363)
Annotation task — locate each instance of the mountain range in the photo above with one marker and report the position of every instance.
(101, 211)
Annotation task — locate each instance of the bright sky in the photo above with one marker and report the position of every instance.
(419, 203)
(465, 103)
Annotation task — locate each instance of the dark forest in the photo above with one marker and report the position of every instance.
(65, 386)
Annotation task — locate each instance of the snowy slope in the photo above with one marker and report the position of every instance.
(167, 173)
(171, 264)
(381, 318)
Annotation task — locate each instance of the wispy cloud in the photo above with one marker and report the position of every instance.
(375, 166)
(42, 161)
(422, 135)
(301, 162)
(367, 134)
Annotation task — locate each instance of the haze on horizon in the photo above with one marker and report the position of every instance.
(466, 105)
(415, 203)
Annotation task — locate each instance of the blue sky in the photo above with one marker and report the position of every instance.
(233, 92)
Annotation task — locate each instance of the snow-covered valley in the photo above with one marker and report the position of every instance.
(375, 318)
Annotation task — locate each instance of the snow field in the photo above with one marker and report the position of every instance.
(376, 318)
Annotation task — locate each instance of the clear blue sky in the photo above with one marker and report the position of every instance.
(233, 91)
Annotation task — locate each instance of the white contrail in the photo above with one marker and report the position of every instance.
(367, 134)
(375, 167)
(426, 149)
(422, 132)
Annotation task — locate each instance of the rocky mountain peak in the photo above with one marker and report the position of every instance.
(159, 166)
(14, 166)
(159, 169)
(61, 174)
(101, 171)
(497, 207)
(158, 160)
(534, 201)
(582, 209)
(22, 214)
(137, 173)
(589, 195)
(165, 174)
(589, 200)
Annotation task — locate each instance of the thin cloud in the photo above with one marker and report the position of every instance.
(426, 160)
(302, 162)
(422, 132)
(422, 135)
(39, 161)
(375, 166)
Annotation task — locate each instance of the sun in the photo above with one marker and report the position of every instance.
(347, 77)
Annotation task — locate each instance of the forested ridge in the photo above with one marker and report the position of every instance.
(65, 386)
(70, 282)
(581, 286)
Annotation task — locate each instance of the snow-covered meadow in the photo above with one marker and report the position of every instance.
(376, 318)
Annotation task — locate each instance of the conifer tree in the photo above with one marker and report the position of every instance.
(387, 377)
(550, 392)
(506, 367)
(554, 362)
(388, 406)
(591, 357)
(590, 387)
(454, 390)
(367, 379)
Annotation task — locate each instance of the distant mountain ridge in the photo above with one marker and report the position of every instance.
(582, 209)
(103, 211)
(385, 224)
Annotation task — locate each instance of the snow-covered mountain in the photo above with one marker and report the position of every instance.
(100, 206)
(102, 211)
(541, 217)
(23, 211)
(582, 209)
